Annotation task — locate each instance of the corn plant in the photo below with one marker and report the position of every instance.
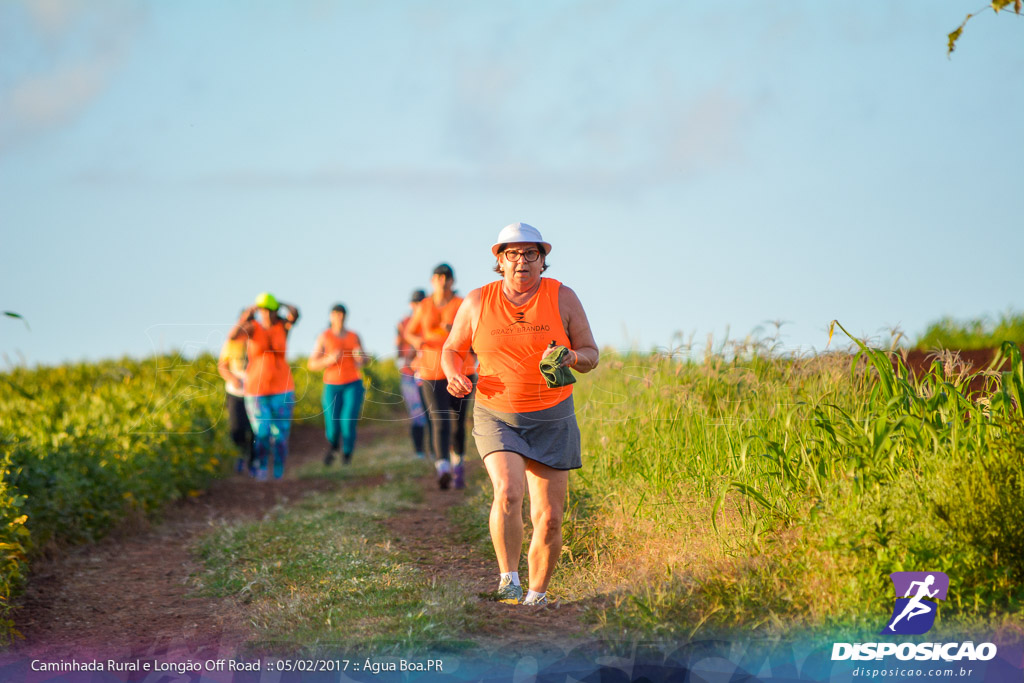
(846, 459)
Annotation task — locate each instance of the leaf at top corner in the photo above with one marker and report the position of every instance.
(955, 35)
(12, 314)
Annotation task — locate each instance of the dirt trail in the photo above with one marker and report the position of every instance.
(429, 536)
(129, 595)
(131, 591)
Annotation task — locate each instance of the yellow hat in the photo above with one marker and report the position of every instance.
(266, 300)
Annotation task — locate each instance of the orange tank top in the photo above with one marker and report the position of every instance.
(510, 341)
(268, 372)
(469, 366)
(432, 322)
(346, 370)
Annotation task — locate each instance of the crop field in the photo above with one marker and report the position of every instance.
(86, 447)
(744, 491)
(776, 495)
(975, 333)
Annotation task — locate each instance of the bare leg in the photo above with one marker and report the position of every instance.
(548, 489)
(913, 609)
(507, 471)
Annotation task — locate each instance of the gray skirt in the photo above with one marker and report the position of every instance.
(550, 436)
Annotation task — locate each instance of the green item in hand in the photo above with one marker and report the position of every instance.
(556, 374)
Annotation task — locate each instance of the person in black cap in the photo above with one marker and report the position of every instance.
(426, 332)
(410, 385)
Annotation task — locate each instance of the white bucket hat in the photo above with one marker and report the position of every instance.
(519, 232)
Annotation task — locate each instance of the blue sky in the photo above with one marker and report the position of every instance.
(697, 167)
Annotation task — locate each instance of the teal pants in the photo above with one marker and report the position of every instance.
(271, 420)
(343, 403)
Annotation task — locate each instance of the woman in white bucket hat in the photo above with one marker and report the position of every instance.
(525, 428)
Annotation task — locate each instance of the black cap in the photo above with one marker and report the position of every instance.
(418, 295)
(446, 270)
(340, 308)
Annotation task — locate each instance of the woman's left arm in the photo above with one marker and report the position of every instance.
(358, 354)
(319, 360)
(584, 355)
(292, 318)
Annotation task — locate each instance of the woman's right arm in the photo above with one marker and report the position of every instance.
(243, 328)
(318, 360)
(458, 344)
(414, 329)
(224, 369)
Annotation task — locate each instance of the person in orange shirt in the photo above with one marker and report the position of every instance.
(269, 389)
(339, 353)
(427, 332)
(410, 385)
(525, 431)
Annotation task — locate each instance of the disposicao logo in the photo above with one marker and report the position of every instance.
(914, 612)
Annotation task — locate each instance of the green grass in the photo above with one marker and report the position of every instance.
(773, 496)
(975, 333)
(470, 519)
(747, 493)
(85, 446)
(324, 574)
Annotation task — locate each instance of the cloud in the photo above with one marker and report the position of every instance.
(618, 145)
(704, 133)
(64, 59)
(53, 17)
(619, 152)
(55, 97)
(613, 110)
(513, 106)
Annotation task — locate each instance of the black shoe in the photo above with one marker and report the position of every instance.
(328, 456)
(444, 474)
(346, 458)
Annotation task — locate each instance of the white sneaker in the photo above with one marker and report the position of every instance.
(541, 599)
(508, 592)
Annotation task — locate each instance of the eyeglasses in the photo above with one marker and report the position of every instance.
(530, 255)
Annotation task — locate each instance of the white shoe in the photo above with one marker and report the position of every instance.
(541, 599)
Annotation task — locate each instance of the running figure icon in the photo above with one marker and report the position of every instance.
(914, 606)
